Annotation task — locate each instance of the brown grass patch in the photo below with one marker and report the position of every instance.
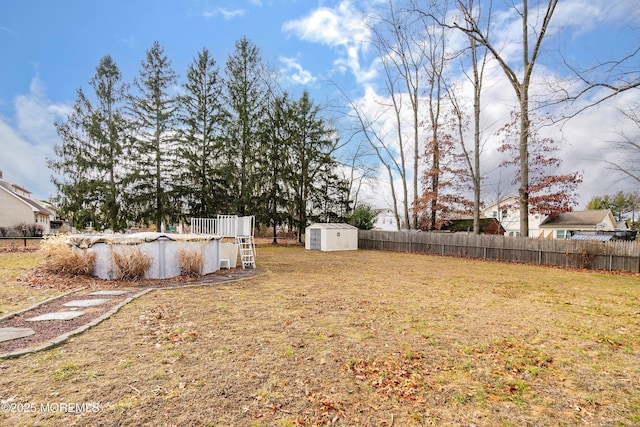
(190, 262)
(14, 294)
(60, 258)
(354, 338)
(19, 245)
(131, 263)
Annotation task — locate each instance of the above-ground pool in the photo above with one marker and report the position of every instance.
(163, 249)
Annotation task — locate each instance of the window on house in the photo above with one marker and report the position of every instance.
(504, 214)
(562, 234)
(494, 214)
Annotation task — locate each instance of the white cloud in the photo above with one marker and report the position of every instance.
(8, 31)
(130, 41)
(587, 16)
(227, 14)
(343, 28)
(35, 115)
(293, 71)
(27, 143)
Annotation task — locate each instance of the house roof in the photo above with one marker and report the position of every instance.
(332, 225)
(579, 219)
(34, 205)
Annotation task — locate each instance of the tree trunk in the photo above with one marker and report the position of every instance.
(523, 191)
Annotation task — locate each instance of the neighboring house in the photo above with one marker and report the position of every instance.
(17, 207)
(56, 224)
(465, 225)
(507, 211)
(386, 221)
(568, 224)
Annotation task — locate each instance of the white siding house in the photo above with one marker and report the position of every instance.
(507, 211)
(386, 221)
(17, 207)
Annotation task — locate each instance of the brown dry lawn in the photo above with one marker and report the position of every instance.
(360, 338)
(14, 295)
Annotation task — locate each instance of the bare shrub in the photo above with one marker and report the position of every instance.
(27, 230)
(589, 251)
(58, 257)
(190, 262)
(132, 263)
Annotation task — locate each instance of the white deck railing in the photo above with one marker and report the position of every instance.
(224, 225)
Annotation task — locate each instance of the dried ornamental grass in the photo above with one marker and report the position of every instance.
(132, 263)
(59, 257)
(190, 262)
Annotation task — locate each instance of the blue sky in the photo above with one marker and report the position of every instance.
(51, 48)
(62, 42)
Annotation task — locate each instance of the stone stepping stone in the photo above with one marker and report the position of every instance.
(58, 315)
(86, 302)
(108, 293)
(8, 334)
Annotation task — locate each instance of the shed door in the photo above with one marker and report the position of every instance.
(315, 244)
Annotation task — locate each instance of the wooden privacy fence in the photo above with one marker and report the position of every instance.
(595, 255)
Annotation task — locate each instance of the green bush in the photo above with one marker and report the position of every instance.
(363, 217)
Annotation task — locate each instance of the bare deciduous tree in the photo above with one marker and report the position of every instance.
(474, 72)
(611, 78)
(402, 43)
(629, 146)
(377, 141)
(520, 83)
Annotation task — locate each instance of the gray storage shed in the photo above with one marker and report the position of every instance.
(331, 237)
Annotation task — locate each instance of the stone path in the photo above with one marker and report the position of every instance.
(20, 339)
(7, 334)
(56, 315)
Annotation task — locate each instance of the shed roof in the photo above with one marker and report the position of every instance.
(466, 224)
(579, 218)
(333, 225)
(597, 237)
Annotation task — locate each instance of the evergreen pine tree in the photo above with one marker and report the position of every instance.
(153, 148)
(201, 185)
(89, 180)
(246, 92)
(275, 142)
(310, 157)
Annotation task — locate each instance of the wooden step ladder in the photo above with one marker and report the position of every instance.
(247, 251)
